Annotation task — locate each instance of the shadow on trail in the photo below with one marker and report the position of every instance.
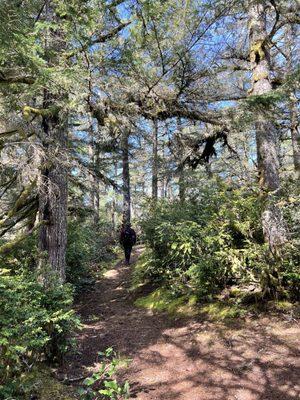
(190, 359)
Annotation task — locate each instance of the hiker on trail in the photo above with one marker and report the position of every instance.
(127, 240)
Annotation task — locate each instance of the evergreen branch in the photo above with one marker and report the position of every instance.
(98, 39)
(98, 174)
(20, 202)
(7, 247)
(7, 185)
(26, 79)
(28, 210)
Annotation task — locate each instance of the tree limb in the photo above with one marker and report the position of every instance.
(7, 247)
(26, 79)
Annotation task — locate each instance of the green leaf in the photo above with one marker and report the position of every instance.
(89, 381)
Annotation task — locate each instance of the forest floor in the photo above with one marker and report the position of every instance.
(186, 358)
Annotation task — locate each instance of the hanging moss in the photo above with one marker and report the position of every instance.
(257, 51)
(44, 112)
(21, 201)
(258, 76)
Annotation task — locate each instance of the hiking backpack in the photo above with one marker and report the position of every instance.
(129, 236)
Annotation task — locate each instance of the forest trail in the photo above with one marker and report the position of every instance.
(186, 358)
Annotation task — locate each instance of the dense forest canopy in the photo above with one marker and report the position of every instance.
(179, 116)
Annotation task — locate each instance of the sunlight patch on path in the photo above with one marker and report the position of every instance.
(111, 274)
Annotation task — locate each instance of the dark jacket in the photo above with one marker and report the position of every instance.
(127, 237)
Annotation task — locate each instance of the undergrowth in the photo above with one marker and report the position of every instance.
(203, 246)
(233, 303)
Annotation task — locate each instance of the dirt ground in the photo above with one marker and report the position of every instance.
(186, 359)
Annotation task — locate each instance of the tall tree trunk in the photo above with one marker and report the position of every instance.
(170, 192)
(53, 194)
(293, 107)
(180, 168)
(167, 191)
(266, 134)
(114, 200)
(96, 202)
(113, 214)
(155, 161)
(295, 133)
(94, 154)
(126, 178)
(181, 183)
(53, 188)
(144, 188)
(96, 189)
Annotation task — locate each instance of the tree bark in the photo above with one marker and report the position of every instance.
(180, 168)
(293, 107)
(295, 134)
(126, 178)
(181, 184)
(53, 188)
(114, 200)
(266, 134)
(166, 192)
(95, 180)
(155, 161)
(53, 195)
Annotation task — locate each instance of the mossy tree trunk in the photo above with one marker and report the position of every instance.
(126, 178)
(95, 192)
(52, 210)
(293, 103)
(53, 194)
(155, 161)
(114, 200)
(295, 134)
(266, 136)
(180, 168)
(53, 185)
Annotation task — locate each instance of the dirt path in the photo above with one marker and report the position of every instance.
(187, 359)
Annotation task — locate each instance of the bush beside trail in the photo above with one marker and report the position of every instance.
(37, 319)
(206, 245)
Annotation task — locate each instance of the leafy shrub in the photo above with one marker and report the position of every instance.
(289, 270)
(102, 384)
(22, 257)
(88, 245)
(35, 324)
(203, 246)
